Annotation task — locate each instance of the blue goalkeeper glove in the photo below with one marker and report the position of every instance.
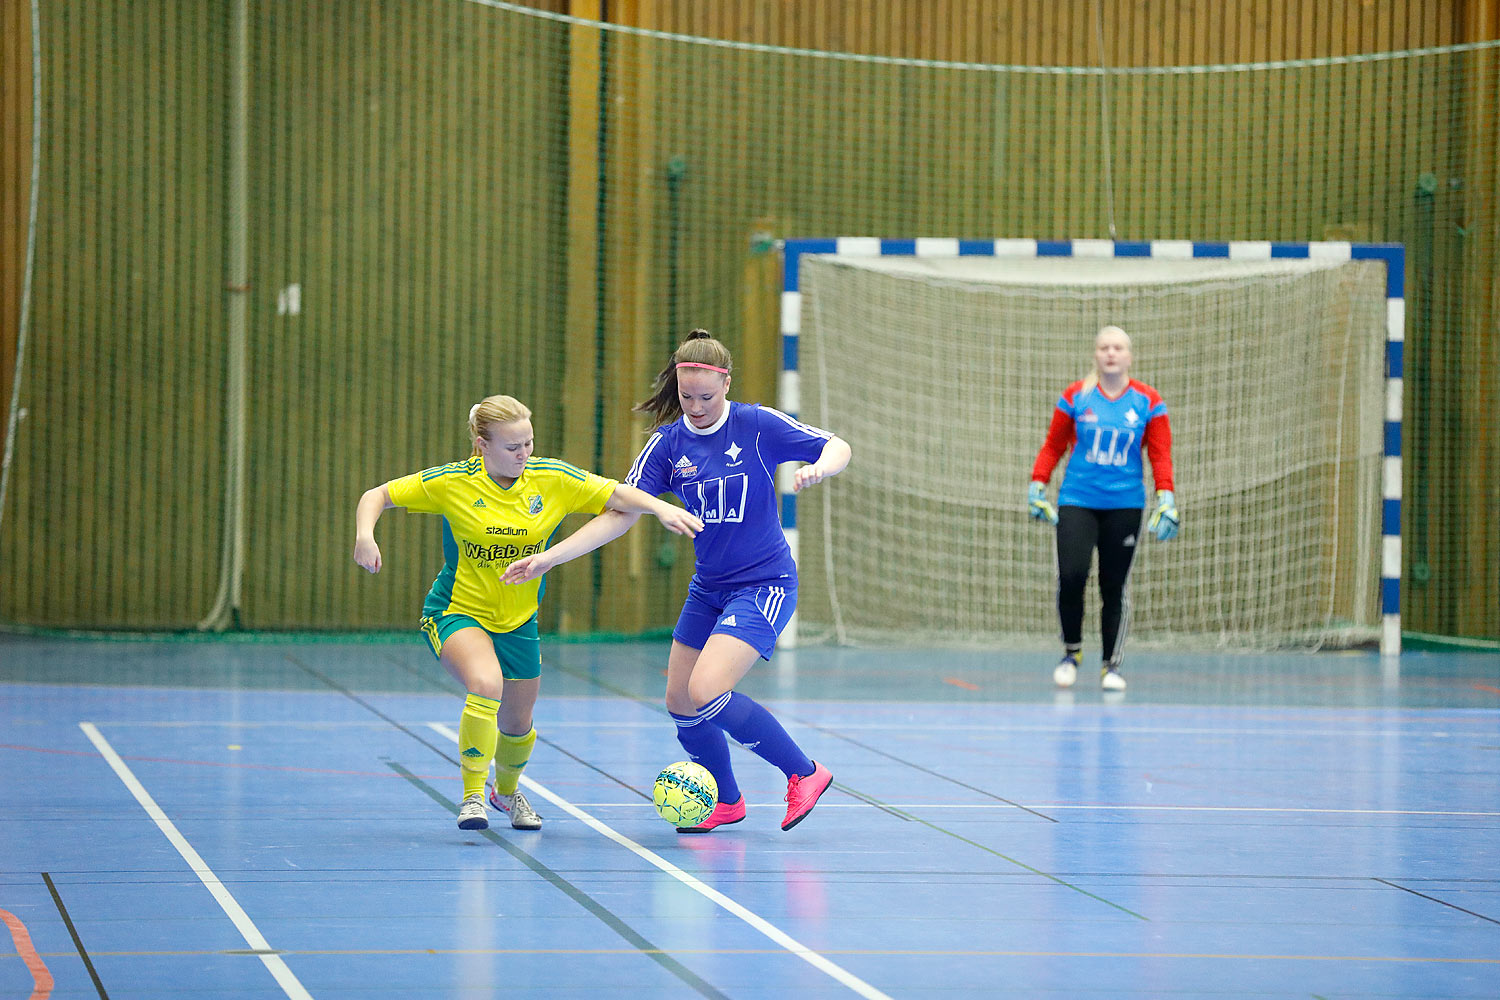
(1038, 505)
(1164, 519)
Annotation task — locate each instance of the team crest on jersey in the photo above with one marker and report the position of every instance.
(1089, 416)
(1131, 417)
(684, 468)
(534, 504)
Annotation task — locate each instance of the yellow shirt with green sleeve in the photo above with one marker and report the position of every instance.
(487, 527)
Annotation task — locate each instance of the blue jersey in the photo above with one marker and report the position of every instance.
(1105, 471)
(726, 474)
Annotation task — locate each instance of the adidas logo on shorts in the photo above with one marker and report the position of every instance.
(731, 622)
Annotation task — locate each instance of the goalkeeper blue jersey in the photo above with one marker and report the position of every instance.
(726, 474)
(1105, 471)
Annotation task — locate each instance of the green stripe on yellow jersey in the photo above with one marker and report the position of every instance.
(466, 468)
(552, 463)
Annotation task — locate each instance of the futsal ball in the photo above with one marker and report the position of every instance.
(685, 793)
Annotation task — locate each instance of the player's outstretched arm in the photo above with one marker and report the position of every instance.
(631, 500)
(623, 508)
(600, 530)
(374, 503)
(833, 460)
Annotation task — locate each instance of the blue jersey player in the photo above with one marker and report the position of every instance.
(719, 458)
(1107, 419)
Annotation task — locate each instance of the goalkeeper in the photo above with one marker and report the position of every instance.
(1105, 419)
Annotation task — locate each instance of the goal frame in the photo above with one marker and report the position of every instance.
(1393, 255)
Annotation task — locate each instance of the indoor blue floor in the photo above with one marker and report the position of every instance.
(276, 819)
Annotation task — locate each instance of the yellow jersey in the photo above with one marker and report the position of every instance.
(487, 527)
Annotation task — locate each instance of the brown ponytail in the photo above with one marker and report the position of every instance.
(664, 405)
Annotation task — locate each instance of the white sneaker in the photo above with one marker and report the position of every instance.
(522, 816)
(1110, 679)
(472, 814)
(1066, 671)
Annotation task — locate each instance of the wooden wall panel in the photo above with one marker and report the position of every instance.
(114, 500)
(1479, 397)
(410, 177)
(431, 178)
(15, 185)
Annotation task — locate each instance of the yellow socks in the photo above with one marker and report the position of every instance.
(476, 741)
(510, 758)
(480, 741)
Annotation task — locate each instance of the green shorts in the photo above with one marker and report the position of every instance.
(519, 650)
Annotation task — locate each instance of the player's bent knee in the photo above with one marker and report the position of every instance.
(494, 691)
(680, 704)
(700, 697)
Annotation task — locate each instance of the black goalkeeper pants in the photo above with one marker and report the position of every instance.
(1081, 530)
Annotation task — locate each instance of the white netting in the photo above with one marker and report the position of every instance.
(943, 373)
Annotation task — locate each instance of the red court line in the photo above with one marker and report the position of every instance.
(1486, 687)
(39, 974)
(960, 684)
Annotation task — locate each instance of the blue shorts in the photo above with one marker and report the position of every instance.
(754, 615)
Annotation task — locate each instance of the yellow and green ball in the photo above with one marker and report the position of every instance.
(685, 793)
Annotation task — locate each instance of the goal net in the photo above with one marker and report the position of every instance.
(944, 372)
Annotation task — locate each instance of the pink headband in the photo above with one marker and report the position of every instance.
(695, 364)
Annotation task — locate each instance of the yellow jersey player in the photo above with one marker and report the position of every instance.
(500, 505)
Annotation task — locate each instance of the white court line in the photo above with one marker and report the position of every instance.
(242, 922)
(1053, 807)
(786, 941)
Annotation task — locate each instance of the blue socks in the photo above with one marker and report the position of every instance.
(752, 726)
(705, 744)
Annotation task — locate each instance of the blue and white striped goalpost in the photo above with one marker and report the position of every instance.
(1392, 254)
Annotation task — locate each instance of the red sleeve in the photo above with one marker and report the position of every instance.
(1060, 437)
(1158, 443)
